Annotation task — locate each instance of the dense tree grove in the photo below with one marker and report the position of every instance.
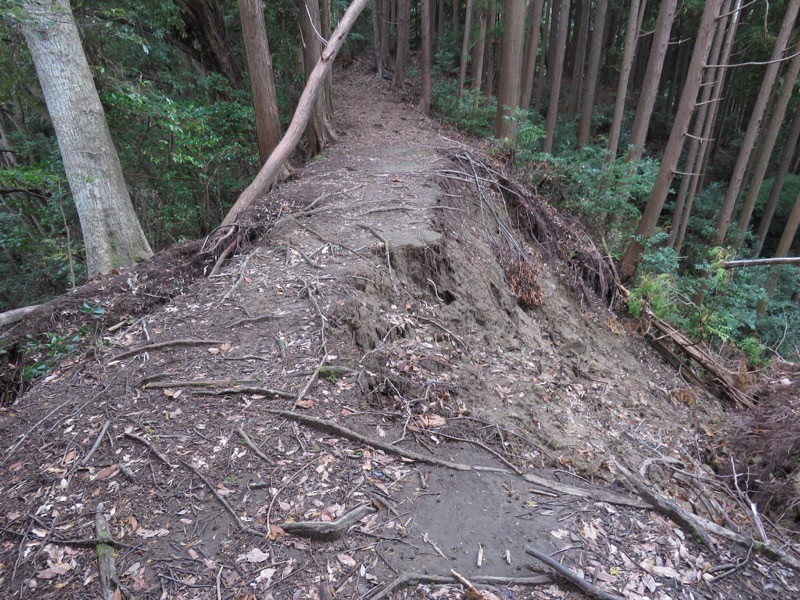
(671, 128)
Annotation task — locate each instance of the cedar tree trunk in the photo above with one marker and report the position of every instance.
(112, 235)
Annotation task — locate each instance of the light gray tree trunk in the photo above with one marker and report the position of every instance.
(112, 235)
(505, 125)
(592, 72)
(557, 67)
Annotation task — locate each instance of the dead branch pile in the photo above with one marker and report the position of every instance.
(591, 272)
(766, 447)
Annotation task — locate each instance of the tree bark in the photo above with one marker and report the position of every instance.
(592, 72)
(112, 235)
(529, 70)
(785, 244)
(403, 29)
(505, 125)
(477, 54)
(694, 77)
(426, 59)
(385, 37)
(462, 72)
(557, 68)
(319, 131)
(491, 38)
(266, 176)
(584, 12)
(753, 127)
(768, 143)
(262, 83)
(652, 76)
(631, 39)
(777, 184)
(204, 21)
(703, 123)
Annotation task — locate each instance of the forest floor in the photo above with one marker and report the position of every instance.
(361, 405)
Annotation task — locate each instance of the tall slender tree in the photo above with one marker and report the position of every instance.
(754, 125)
(592, 72)
(462, 71)
(652, 76)
(631, 38)
(694, 76)
(426, 58)
(403, 30)
(112, 235)
(529, 70)
(557, 67)
(768, 142)
(777, 184)
(320, 130)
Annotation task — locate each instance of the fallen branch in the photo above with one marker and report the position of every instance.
(443, 328)
(12, 316)
(240, 280)
(409, 578)
(159, 385)
(96, 444)
(248, 390)
(256, 450)
(243, 527)
(265, 317)
(328, 531)
(310, 382)
(105, 555)
(574, 578)
(268, 173)
(700, 526)
(336, 429)
(149, 446)
(159, 345)
(755, 262)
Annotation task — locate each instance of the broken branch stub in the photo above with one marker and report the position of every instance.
(268, 173)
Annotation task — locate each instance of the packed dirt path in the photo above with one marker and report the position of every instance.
(395, 384)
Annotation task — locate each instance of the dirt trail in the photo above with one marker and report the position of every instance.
(379, 303)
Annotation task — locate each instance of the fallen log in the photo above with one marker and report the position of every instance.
(269, 172)
(12, 316)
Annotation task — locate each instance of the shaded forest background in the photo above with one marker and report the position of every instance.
(540, 81)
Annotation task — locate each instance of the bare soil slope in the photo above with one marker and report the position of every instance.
(395, 383)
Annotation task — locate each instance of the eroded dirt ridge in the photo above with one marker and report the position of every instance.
(395, 385)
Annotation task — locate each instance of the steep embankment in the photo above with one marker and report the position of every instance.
(456, 399)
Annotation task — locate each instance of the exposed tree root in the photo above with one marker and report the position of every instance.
(329, 531)
(409, 578)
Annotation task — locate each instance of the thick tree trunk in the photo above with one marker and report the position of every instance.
(505, 125)
(647, 99)
(426, 59)
(753, 127)
(777, 184)
(204, 23)
(112, 235)
(403, 29)
(320, 130)
(266, 176)
(462, 72)
(529, 70)
(592, 72)
(555, 81)
(694, 77)
(631, 39)
(768, 142)
(259, 67)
